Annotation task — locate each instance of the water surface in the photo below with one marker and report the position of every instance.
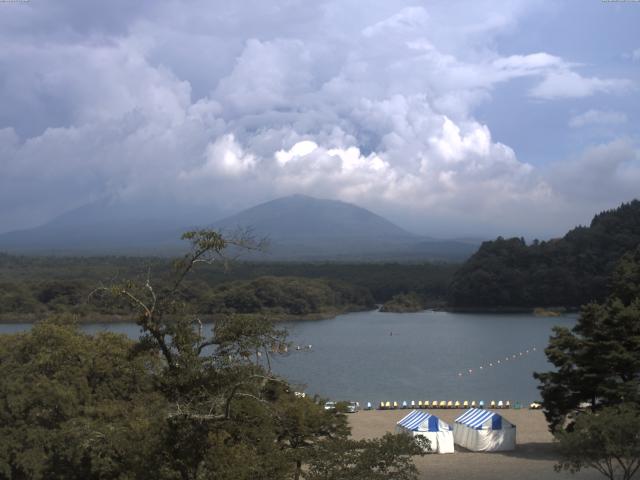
(374, 356)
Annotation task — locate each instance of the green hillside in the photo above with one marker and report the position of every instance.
(570, 271)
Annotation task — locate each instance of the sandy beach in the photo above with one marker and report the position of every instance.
(533, 458)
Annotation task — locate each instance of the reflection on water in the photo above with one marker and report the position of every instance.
(373, 356)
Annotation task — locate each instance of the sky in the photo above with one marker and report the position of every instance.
(466, 118)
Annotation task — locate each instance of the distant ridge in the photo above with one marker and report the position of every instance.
(299, 227)
(563, 272)
(105, 227)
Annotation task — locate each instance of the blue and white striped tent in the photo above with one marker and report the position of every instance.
(484, 431)
(420, 423)
(476, 418)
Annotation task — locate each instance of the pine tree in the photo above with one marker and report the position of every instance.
(598, 361)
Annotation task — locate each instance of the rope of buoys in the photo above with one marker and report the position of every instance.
(469, 371)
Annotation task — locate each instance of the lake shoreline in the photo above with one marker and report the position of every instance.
(538, 311)
(32, 318)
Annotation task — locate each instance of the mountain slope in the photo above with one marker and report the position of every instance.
(106, 227)
(570, 271)
(299, 228)
(306, 228)
(300, 216)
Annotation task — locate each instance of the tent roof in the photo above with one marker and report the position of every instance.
(477, 418)
(416, 418)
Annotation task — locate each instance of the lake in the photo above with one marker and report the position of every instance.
(374, 356)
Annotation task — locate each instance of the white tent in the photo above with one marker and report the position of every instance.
(484, 431)
(424, 424)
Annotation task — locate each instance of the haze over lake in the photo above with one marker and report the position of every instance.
(374, 356)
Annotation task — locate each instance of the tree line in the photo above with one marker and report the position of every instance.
(32, 287)
(570, 271)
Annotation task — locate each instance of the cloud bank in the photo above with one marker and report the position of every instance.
(240, 103)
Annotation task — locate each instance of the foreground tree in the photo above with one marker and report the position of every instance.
(74, 406)
(303, 424)
(598, 361)
(607, 442)
(216, 379)
(233, 418)
(186, 402)
(389, 457)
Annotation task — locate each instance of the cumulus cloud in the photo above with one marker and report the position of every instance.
(241, 103)
(597, 117)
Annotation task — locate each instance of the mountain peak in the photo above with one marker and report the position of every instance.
(296, 216)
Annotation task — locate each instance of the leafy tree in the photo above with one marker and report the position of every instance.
(233, 418)
(569, 271)
(626, 278)
(287, 295)
(185, 402)
(607, 441)
(404, 302)
(302, 424)
(73, 406)
(378, 459)
(214, 380)
(63, 284)
(598, 361)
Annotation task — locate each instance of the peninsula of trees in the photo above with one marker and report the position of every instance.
(32, 288)
(568, 272)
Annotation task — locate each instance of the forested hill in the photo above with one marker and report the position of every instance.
(33, 288)
(569, 272)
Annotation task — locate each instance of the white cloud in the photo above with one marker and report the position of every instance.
(300, 149)
(226, 158)
(569, 84)
(374, 106)
(409, 19)
(597, 117)
(534, 63)
(456, 166)
(266, 76)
